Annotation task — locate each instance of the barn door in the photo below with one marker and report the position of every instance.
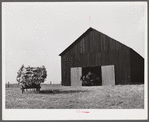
(108, 75)
(76, 74)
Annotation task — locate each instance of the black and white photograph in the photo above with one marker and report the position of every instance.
(74, 61)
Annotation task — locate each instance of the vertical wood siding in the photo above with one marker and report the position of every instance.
(137, 68)
(97, 49)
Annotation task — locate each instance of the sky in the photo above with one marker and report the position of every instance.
(35, 33)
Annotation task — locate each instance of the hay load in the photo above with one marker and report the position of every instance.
(31, 77)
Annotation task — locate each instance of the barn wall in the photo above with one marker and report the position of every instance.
(97, 49)
(119, 59)
(137, 68)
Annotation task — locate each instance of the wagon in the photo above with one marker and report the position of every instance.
(31, 77)
(32, 86)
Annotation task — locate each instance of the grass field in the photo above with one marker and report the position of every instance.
(66, 97)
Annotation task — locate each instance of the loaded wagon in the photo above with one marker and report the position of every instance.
(31, 77)
(25, 86)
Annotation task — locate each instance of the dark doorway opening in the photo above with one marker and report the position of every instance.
(91, 76)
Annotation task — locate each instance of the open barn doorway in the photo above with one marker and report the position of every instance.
(91, 76)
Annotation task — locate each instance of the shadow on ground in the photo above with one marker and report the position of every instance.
(60, 91)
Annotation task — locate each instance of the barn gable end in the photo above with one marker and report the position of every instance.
(95, 49)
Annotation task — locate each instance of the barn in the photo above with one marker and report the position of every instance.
(113, 62)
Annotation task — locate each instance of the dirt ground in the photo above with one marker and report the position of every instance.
(67, 97)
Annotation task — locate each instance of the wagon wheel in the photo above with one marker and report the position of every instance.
(38, 89)
(22, 90)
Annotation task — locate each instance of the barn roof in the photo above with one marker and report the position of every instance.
(88, 30)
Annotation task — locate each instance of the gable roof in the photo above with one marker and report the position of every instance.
(88, 30)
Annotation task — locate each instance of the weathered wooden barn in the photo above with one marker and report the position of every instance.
(114, 62)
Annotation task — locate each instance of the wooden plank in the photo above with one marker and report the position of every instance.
(90, 42)
(127, 75)
(99, 42)
(108, 75)
(78, 47)
(87, 59)
(76, 60)
(71, 62)
(83, 45)
(104, 43)
(102, 58)
(68, 76)
(128, 66)
(87, 44)
(111, 57)
(85, 40)
(117, 45)
(117, 66)
(120, 58)
(76, 73)
(79, 63)
(116, 75)
(110, 44)
(62, 70)
(93, 59)
(123, 57)
(96, 39)
(96, 59)
(81, 60)
(99, 59)
(107, 58)
(113, 44)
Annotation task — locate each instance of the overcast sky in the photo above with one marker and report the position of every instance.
(36, 33)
